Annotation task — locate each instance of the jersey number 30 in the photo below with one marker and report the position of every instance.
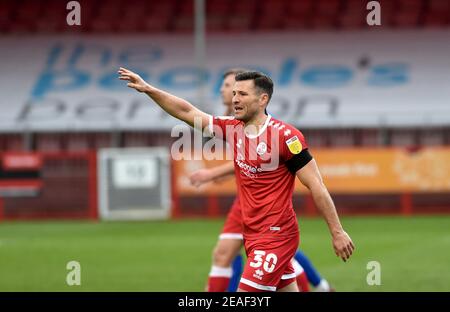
(269, 262)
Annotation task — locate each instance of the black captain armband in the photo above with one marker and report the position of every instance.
(298, 161)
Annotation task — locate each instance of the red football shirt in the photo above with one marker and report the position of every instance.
(265, 184)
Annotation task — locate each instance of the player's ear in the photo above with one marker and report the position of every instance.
(264, 99)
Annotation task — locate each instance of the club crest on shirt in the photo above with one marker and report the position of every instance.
(294, 145)
(261, 148)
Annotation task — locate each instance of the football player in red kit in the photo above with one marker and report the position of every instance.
(268, 155)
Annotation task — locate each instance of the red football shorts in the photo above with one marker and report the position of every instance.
(232, 228)
(269, 266)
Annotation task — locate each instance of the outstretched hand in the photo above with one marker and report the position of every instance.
(134, 80)
(343, 245)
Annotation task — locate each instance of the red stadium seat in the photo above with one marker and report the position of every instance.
(327, 7)
(109, 13)
(271, 7)
(439, 5)
(299, 8)
(432, 137)
(411, 5)
(164, 8)
(11, 143)
(21, 27)
(142, 139)
(438, 14)
(129, 25)
(323, 22)
(186, 8)
(101, 25)
(48, 142)
(8, 6)
(294, 22)
(135, 12)
(136, 139)
(156, 23)
(29, 10)
(46, 25)
(100, 140)
(215, 22)
(268, 23)
(316, 138)
(408, 19)
(53, 18)
(183, 24)
(350, 16)
(246, 7)
(432, 20)
(57, 11)
(77, 142)
(176, 15)
(6, 10)
(351, 21)
(239, 23)
(342, 137)
(403, 137)
(6, 13)
(369, 137)
(218, 7)
(388, 12)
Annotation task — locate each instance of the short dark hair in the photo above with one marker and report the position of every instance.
(262, 81)
(233, 71)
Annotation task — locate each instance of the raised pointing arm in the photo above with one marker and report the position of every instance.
(173, 105)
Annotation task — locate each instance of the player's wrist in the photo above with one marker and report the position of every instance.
(337, 232)
(149, 89)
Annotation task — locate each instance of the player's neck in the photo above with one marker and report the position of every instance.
(229, 111)
(254, 125)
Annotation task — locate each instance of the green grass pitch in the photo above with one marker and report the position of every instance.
(413, 252)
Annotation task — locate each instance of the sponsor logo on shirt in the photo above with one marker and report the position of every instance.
(248, 170)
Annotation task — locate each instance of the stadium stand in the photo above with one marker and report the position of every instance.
(136, 16)
(40, 17)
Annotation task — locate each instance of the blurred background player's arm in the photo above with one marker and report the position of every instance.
(173, 105)
(216, 174)
(309, 176)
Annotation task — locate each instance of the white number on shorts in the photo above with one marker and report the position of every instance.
(269, 262)
(258, 259)
(266, 266)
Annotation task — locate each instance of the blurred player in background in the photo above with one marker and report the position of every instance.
(226, 259)
(265, 182)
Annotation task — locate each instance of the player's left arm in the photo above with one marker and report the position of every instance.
(309, 175)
